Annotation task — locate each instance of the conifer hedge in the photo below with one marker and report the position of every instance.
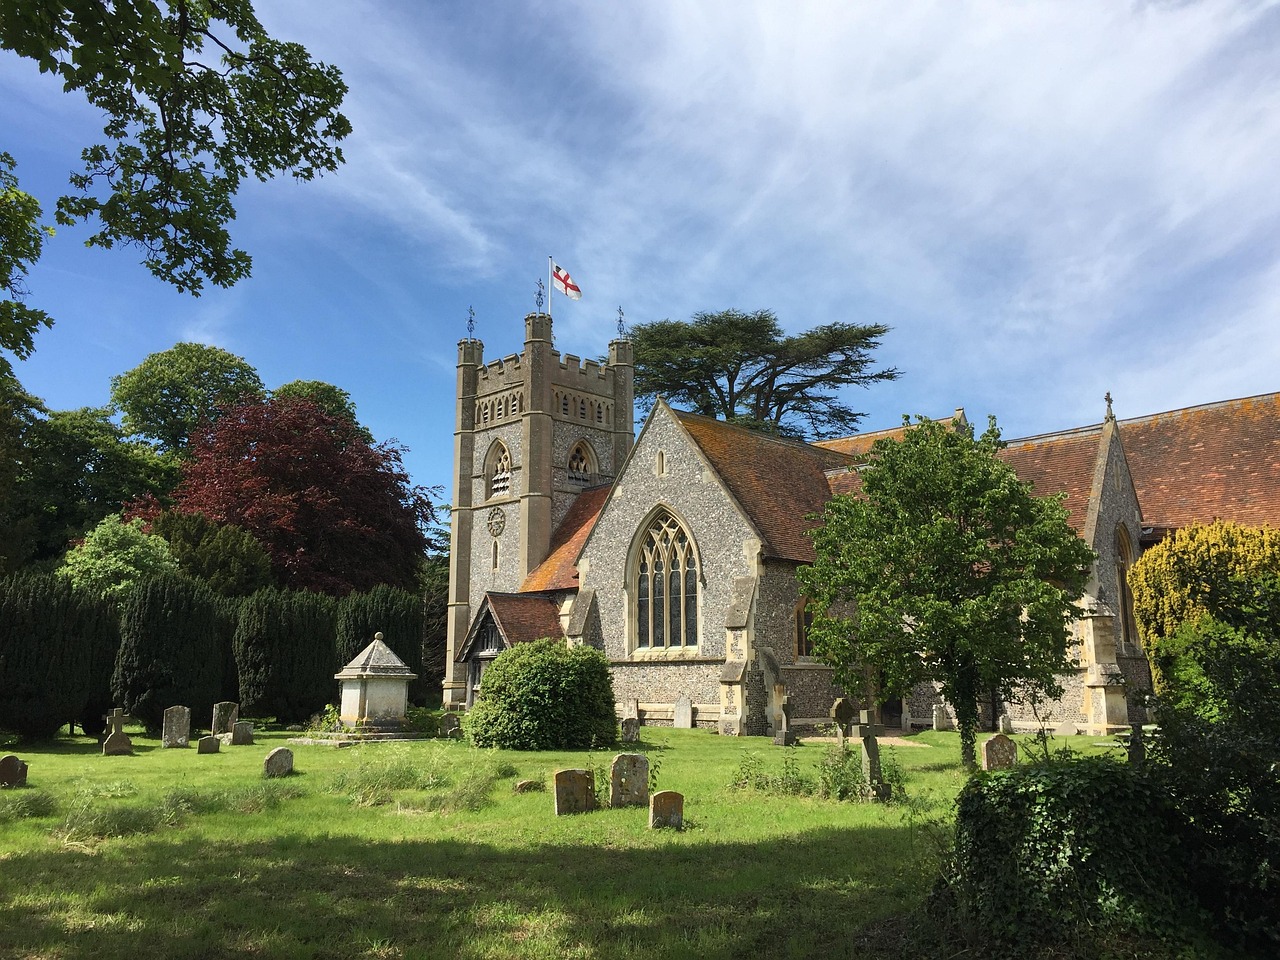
(170, 650)
(397, 615)
(284, 649)
(54, 639)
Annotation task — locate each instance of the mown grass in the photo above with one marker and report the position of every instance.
(422, 850)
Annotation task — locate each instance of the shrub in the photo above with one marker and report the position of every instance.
(545, 695)
(284, 652)
(54, 642)
(115, 556)
(225, 556)
(1050, 853)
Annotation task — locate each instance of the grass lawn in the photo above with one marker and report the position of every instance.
(423, 850)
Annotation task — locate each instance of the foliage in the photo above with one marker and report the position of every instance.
(196, 96)
(170, 393)
(1185, 575)
(741, 367)
(224, 556)
(115, 557)
(334, 513)
(52, 639)
(946, 569)
(545, 695)
(397, 615)
(1050, 853)
(284, 651)
(170, 650)
(22, 238)
(433, 582)
(332, 400)
(788, 782)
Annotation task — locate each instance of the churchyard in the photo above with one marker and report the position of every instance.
(425, 849)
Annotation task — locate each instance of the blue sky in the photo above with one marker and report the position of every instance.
(1045, 201)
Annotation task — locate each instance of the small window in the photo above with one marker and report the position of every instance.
(660, 464)
(804, 628)
(564, 405)
(580, 465)
(495, 554)
(582, 409)
(599, 413)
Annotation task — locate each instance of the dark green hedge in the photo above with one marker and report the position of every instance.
(396, 614)
(545, 695)
(285, 654)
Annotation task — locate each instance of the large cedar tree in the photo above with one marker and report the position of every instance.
(334, 512)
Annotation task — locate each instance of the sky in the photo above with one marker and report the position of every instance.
(1044, 201)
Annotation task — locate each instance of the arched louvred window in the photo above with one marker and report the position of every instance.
(498, 470)
(582, 409)
(582, 464)
(665, 586)
(564, 405)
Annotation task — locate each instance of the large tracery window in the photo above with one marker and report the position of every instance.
(666, 586)
(500, 471)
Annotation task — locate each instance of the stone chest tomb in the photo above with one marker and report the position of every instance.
(375, 688)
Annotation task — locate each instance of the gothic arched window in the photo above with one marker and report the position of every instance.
(1127, 630)
(581, 464)
(665, 586)
(498, 471)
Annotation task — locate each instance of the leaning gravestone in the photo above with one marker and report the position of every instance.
(241, 733)
(575, 792)
(683, 716)
(450, 726)
(666, 809)
(117, 743)
(629, 780)
(13, 772)
(630, 730)
(999, 753)
(278, 763)
(225, 715)
(209, 744)
(177, 727)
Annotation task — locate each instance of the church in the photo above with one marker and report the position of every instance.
(674, 551)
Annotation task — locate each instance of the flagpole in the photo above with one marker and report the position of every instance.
(551, 285)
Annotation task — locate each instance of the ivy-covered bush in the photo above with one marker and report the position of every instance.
(170, 649)
(54, 643)
(1052, 852)
(284, 646)
(545, 695)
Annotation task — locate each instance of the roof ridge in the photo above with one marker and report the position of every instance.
(1203, 406)
(813, 448)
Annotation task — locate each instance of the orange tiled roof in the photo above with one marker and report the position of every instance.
(1059, 463)
(523, 617)
(777, 482)
(1215, 461)
(560, 570)
(859, 445)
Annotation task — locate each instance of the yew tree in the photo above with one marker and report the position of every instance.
(334, 512)
(946, 569)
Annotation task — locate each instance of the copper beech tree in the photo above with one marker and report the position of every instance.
(334, 512)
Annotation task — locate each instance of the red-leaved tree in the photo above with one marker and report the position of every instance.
(334, 512)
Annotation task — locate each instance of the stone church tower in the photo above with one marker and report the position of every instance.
(532, 430)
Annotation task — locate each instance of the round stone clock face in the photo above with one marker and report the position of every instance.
(497, 521)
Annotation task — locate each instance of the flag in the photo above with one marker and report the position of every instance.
(561, 281)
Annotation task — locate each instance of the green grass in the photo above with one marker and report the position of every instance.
(422, 850)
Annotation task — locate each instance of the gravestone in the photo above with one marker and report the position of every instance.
(575, 792)
(13, 772)
(940, 721)
(906, 719)
(629, 780)
(225, 715)
(683, 717)
(631, 709)
(209, 744)
(842, 712)
(278, 763)
(999, 753)
(1065, 729)
(241, 733)
(450, 726)
(117, 743)
(871, 771)
(864, 727)
(666, 809)
(1005, 724)
(1137, 746)
(177, 727)
(529, 786)
(784, 737)
(630, 730)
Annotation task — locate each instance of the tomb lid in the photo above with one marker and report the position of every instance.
(375, 660)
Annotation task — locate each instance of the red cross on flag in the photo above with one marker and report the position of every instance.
(561, 281)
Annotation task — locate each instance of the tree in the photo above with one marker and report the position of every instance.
(398, 616)
(284, 646)
(1187, 575)
(740, 367)
(172, 392)
(334, 513)
(947, 570)
(115, 557)
(22, 238)
(332, 400)
(224, 556)
(196, 95)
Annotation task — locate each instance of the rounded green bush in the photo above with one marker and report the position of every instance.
(545, 695)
